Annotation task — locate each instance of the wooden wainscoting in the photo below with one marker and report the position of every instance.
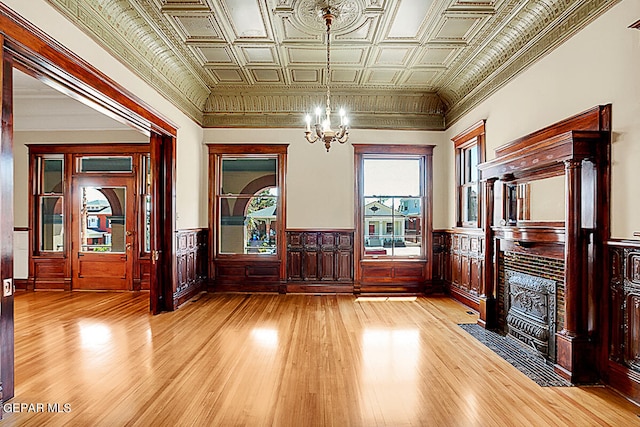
(388, 277)
(320, 261)
(191, 264)
(459, 264)
(621, 350)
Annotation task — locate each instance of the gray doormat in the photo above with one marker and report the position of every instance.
(527, 362)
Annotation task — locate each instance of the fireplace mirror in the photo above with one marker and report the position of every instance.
(536, 202)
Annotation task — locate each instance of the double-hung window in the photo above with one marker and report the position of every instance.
(393, 200)
(470, 152)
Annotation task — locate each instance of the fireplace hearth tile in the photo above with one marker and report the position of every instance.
(520, 357)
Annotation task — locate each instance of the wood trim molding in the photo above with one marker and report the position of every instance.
(596, 119)
(57, 66)
(393, 275)
(475, 135)
(266, 271)
(475, 130)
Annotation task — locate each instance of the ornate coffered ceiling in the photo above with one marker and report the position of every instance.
(401, 64)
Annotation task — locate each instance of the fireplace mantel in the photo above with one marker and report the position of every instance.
(579, 149)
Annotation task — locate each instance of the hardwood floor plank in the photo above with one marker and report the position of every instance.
(277, 360)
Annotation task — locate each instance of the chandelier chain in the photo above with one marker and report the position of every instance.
(328, 65)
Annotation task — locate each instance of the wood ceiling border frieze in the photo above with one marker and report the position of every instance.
(483, 45)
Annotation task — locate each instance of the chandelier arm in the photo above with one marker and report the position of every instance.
(310, 137)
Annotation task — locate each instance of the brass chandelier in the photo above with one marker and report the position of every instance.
(322, 127)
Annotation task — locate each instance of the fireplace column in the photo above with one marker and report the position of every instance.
(488, 317)
(575, 360)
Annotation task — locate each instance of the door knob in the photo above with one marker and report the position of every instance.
(129, 233)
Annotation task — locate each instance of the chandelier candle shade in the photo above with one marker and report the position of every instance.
(322, 125)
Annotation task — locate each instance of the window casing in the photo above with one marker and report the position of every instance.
(247, 201)
(470, 152)
(50, 203)
(393, 201)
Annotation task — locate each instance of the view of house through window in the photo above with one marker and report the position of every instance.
(248, 204)
(102, 223)
(260, 222)
(392, 207)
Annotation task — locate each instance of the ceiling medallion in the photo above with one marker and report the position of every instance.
(322, 128)
(310, 13)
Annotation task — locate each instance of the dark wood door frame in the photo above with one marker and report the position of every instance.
(6, 227)
(25, 47)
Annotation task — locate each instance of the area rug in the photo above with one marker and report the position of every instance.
(523, 359)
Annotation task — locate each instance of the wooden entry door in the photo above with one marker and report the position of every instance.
(103, 231)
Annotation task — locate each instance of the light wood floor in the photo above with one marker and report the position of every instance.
(277, 360)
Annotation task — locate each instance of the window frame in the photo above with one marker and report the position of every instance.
(219, 152)
(474, 136)
(397, 151)
(39, 194)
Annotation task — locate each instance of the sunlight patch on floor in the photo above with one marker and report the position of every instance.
(381, 299)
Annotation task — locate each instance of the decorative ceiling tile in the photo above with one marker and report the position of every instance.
(266, 76)
(246, 18)
(436, 56)
(258, 55)
(397, 63)
(216, 55)
(364, 32)
(227, 76)
(456, 28)
(199, 27)
(290, 33)
(343, 56)
(420, 78)
(381, 76)
(344, 76)
(408, 18)
(305, 76)
(392, 56)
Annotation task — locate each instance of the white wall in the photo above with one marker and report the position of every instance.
(191, 211)
(321, 185)
(599, 65)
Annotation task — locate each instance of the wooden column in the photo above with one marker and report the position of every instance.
(575, 359)
(488, 309)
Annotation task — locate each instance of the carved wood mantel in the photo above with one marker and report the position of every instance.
(579, 149)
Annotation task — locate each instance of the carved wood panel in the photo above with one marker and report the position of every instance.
(463, 263)
(191, 264)
(633, 334)
(623, 319)
(319, 256)
(634, 267)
